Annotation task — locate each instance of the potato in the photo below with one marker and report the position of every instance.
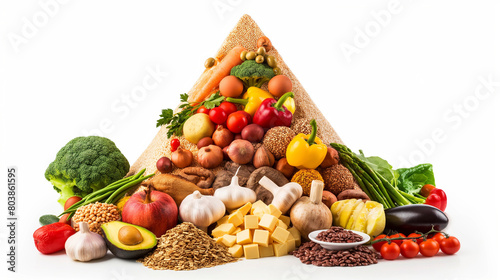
(197, 127)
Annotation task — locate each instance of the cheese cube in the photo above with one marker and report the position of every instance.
(268, 222)
(251, 251)
(229, 240)
(280, 249)
(222, 220)
(281, 224)
(236, 219)
(261, 237)
(290, 243)
(238, 229)
(285, 220)
(236, 251)
(280, 235)
(245, 208)
(223, 229)
(266, 251)
(218, 239)
(244, 237)
(273, 210)
(251, 222)
(296, 235)
(257, 204)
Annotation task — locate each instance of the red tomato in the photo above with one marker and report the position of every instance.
(416, 236)
(218, 115)
(429, 247)
(378, 245)
(390, 251)
(449, 245)
(426, 190)
(409, 249)
(438, 237)
(237, 121)
(396, 236)
(70, 201)
(64, 219)
(228, 107)
(434, 200)
(203, 110)
(174, 144)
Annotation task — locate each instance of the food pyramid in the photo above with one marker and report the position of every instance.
(245, 33)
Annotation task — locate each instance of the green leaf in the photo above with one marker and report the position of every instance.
(412, 179)
(381, 166)
(165, 117)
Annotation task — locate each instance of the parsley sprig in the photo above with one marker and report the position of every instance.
(175, 122)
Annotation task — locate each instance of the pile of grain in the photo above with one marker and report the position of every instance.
(185, 247)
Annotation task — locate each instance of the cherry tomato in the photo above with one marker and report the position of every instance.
(70, 201)
(228, 107)
(203, 110)
(378, 245)
(442, 195)
(237, 121)
(396, 236)
(429, 247)
(409, 249)
(218, 115)
(426, 190)
(434, 200)
(438, 237)
(174, 144)
(390, 251)
(416, 236)
(449, 245)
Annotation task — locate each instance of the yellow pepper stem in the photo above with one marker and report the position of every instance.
(314, 130)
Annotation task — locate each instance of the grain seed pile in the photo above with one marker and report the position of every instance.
(185, 247)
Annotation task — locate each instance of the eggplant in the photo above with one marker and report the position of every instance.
(416, 217)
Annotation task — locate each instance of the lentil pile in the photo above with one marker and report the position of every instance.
(185, 247)
(312, 253)
(339, 235)
(95, 214)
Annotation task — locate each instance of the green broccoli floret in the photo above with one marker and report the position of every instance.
(84, 165)
(253, 74)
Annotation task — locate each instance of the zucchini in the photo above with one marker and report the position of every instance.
(48, 219)
(416, 217)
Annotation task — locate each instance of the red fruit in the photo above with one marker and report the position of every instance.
(64, 219)
(429, 247)
(378, 245)
(400, 241)
(237, 121)
(203, 110)
(153, 210)
(228, 107)
(70, 201)
(51, 238)
(409, 249)
(218, 115)
(417, 236)
(390, 251)
(174, 144)
(449, 245)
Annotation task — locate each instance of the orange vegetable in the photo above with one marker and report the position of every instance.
(211, 77)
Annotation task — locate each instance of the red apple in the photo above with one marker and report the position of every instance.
(70, 201)
(151, 209)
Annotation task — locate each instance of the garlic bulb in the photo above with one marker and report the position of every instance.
(85, 245)
(285, 196)
(201, 210)
(234, 195)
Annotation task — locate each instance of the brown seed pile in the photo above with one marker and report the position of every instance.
(185, 247)
(337, 179)
(304, 178)
(301, 125)
(312, 253)
(277, 139)
(339, 235)
(95, 214)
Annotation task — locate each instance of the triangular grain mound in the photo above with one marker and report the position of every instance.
(246, 33)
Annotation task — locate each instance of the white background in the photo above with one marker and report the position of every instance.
(411, 92)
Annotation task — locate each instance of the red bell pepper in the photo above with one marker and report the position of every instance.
(437, 198)
(272, 113)
(51, 238)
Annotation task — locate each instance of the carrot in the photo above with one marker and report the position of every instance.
(211, 77)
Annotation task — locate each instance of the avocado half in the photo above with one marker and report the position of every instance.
(123, 251)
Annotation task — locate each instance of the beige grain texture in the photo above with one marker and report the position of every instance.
(246, 33)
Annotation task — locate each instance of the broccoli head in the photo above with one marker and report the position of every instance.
(84, 165)
(253, 74)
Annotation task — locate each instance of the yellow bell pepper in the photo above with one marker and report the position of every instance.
(306, 151)
(290, 104)
(251, 99)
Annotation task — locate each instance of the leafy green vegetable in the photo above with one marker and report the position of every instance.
(175, 122)
(412, 179)
(381, 166)
(253, 74)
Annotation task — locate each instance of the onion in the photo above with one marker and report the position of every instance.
(210, 156)
(164, 165)
(205, 141)
(182, 158)
(240, 151)
(222, 137)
